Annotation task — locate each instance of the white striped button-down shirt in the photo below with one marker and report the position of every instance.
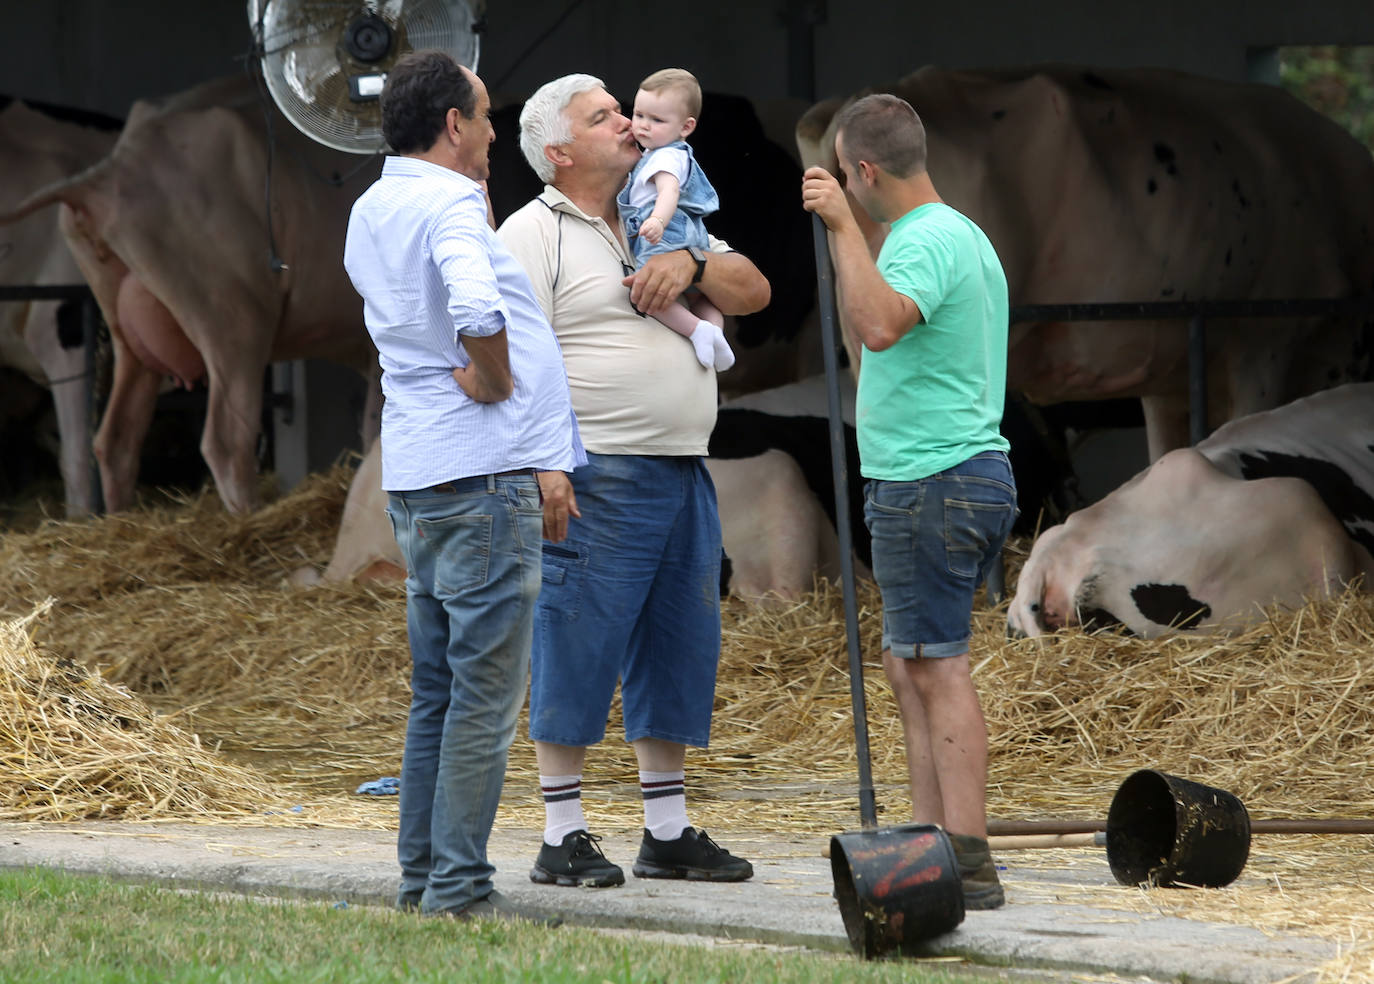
(430, 270)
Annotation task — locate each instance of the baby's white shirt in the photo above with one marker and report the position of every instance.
(671, 159)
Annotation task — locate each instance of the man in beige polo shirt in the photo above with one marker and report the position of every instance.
(632, 594)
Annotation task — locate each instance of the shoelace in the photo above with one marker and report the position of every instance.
(587, 846)
(712, 848)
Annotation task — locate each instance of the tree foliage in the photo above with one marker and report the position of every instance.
(1337, 81)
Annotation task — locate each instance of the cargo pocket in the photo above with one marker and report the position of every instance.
(560, 597)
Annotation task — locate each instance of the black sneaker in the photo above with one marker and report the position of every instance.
(693, 856)
(577, 861)
(982, 888)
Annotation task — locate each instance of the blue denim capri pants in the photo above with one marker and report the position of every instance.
(632, 594)
(934, 541)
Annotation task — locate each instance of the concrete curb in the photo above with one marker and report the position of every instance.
(788, 902)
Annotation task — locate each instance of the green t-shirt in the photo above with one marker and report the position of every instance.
(935, 398)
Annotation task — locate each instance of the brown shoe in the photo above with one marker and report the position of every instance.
(982, 889)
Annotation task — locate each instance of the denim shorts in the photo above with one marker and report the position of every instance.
(632, 594)
(934, 541)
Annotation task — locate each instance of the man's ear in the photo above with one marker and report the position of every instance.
(688, 125)
(557, 155)
(453, 124)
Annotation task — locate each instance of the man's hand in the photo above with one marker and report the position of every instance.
(660, 281)
(822, 194)
(487, 378)
(471, 381)
(559, 503)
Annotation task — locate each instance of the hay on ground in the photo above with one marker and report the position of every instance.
(298, 695)
(73, 746)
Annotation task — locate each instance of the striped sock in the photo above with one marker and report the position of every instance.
(562, 807)
(665, 803)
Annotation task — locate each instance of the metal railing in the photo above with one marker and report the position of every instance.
(1196, 313)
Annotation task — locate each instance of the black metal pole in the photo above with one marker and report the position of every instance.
(825, 283)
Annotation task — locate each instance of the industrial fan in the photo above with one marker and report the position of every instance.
(325, 61)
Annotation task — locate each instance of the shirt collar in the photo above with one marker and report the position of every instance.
(399, 165)
(556, 201)
(559, 202)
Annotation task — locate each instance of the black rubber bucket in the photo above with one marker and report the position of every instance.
(896, 886)
(1163, 830)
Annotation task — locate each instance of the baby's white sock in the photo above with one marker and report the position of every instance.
(725, 358)
(713, 351)
(703, 343)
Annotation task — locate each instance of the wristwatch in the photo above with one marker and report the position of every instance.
(700, 257)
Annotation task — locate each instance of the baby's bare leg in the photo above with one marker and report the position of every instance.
(706, 311)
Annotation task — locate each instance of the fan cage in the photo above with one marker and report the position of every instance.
(307, 67)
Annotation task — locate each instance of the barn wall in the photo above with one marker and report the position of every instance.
(101, 55)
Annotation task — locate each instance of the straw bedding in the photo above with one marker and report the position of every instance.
(175, 675)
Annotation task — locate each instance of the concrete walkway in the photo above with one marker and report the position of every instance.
(788, 901)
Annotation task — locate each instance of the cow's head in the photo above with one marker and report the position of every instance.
(1047, 588)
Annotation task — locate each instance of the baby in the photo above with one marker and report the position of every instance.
(667, 194)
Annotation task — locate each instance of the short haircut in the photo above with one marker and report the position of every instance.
(544, 120)
(884, 130)
(420, 89)
(678, 80)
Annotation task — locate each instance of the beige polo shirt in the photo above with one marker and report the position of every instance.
(637, 387)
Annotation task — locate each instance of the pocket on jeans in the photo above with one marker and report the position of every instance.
(527, 500)
(970, 528)
(560, 595)
(461, 550)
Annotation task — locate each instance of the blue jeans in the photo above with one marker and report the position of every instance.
(934, 541)
(472, 563)
(633, 594)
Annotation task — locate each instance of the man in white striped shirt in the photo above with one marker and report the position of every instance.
(474, 460)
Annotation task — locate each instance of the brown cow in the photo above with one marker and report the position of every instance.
(1119, 185)
(171, 233)
(36, 149)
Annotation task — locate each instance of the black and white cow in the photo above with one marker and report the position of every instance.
(1275, 507)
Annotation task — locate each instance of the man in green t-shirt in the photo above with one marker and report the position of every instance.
(930, 318)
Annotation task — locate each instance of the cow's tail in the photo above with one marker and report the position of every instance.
(71, 191)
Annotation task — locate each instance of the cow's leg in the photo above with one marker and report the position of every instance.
(1166, 424)
(128, 414)
(65, 369)
(233, 420)
(133, 388)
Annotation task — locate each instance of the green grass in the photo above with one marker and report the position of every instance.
(60, 927)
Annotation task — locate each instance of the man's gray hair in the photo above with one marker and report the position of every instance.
(544, 120)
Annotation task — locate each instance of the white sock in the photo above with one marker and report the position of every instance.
(703, 343)
(724, 357)
(562, 807)
(665, 803)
